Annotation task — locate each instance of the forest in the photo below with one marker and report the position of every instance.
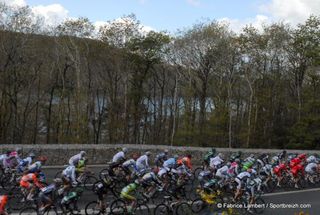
(203, 86)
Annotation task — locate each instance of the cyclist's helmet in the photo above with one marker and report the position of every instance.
(32, 155)
(237, 160)
(125, 150)
(228, 164)
(249, 170)
(166, 151)
(18, 150)
(82, 153)
(148, 153)
(189, 156)
(43, 158)
(176, 157)
(155, 170)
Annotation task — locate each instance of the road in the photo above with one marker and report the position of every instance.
(306, 201)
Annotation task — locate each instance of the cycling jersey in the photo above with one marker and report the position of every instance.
(29, 179)
(170, 163)
(118, 157)
(142, 162)
(160, 158)
(186, 161)
(35, 167)
(150, 177)
(70, 173)
(126, 191)
(23, 164)
(311, 168)
(222, 172)
(130, 166)
(3, 202)
(234, 169)
(75, 159)
(48, 189)
(215, 162)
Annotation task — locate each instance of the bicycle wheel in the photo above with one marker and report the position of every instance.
(28, 211)
(259, 201)
(17, 201)
(118, 206)
(198, 205)
(92, 208)
(197, 171)
(51, 211)
(143, 209)
(161, 209)
(9, 182)
(89, 182)
(183, 209)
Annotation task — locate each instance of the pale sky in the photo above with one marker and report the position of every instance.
(171, 15)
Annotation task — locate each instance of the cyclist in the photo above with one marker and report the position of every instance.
(205, 176)
(216, 161)
(69, 177)
(130, 168)
(161, 157)
(234, 168)
(168, 166)
(241, 180)
(186, 161)
(282, 155)
(311, 170)
(143, 162)
(120, 156)
(76, 158)
(12, 159)
(280, 170)
(235, 156)
(206, 159)
(222, 173)
(126, 194)
(29, 183)
(149, 180)
(296, 167)
(36, 166)
(46, 194)
(3, 203)
(25, 163)
(101, 189)
(117, 160)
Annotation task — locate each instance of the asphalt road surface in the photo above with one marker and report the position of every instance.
(300, 202)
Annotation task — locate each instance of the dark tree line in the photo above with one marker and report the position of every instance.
(204, 86)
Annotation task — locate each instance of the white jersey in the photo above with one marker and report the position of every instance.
(75, 159)
(222, 171)
(142, 162)
(309, 168)
(243, 175)
(216, 161)
(70, 172)
(118, 157)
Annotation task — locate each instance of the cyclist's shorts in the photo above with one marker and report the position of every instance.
(127, 196)
(25, 184)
